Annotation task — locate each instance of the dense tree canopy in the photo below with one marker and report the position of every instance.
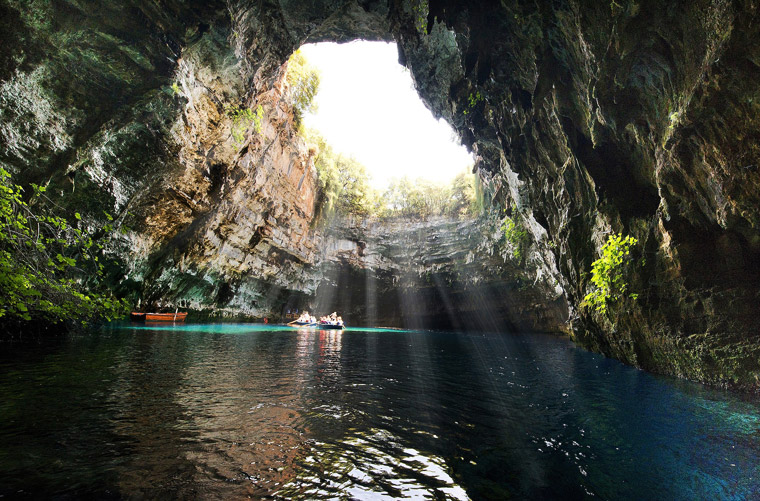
(344, 186)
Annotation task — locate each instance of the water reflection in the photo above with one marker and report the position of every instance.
(232, 411)
(371, 465)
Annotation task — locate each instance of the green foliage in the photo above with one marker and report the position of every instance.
(303, 85)
(516, 235)
(420, 9)
(344, 188)
(343, 182)
(244, 119)
(609, 273)
(422, 199)
(175, 89)
(50, 270)
(473, 100)
(463, 195)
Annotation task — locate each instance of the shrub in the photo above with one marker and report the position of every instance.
(516, 235)
(50, 270)
(244, 119)
(609, 273)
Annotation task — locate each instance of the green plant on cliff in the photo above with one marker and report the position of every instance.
(50, 270)
(420, 10)
(609, 273)
(303, 85)
(472, 101)
(244, 119)
(343, 182)
(516, 235)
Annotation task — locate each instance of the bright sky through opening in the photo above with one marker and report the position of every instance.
(368, 108)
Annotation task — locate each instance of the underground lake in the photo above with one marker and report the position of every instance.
(551, 208)
(226, 411)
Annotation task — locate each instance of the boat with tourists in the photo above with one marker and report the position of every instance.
(304, 320)
(177, 316)
(302, 324)
(331, 321)
(328, 325)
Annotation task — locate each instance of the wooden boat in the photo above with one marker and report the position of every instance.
(325, 325)
(302, 324)
(157, 317)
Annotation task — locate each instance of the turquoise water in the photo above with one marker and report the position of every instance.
(233, 410)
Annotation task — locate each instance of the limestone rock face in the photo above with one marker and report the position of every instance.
(440, 273)
(587, 118)
(637, 118)
(231, 229)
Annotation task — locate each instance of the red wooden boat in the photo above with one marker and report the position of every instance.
(157, 317)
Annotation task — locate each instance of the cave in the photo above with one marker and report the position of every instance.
(591, 332)
(586, 121)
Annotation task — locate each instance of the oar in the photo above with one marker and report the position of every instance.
(290, 323)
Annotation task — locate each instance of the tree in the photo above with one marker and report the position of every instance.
(343, 182)
(422, 199)
(344, 188)
(462, 195)
(356, 195)
(303, 85)
(50, 270)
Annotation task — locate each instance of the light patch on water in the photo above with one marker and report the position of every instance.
(373, 466)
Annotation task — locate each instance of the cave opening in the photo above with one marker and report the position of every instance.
(397, 190)
(367, 107)
(379, 151)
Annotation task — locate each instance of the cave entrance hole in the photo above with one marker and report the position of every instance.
(367, 119)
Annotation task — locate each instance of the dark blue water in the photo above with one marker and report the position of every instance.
(229, 411)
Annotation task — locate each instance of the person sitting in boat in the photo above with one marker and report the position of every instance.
(339, 321)
(312, 319)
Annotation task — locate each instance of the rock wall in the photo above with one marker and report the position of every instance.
(588, 118)
(132, 109)
(437, 274)
(240, 211)
(629, 117)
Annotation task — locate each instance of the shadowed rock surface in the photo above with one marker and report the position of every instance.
(587, 118)
(440, 273)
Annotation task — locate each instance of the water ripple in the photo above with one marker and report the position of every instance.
(235, 411)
